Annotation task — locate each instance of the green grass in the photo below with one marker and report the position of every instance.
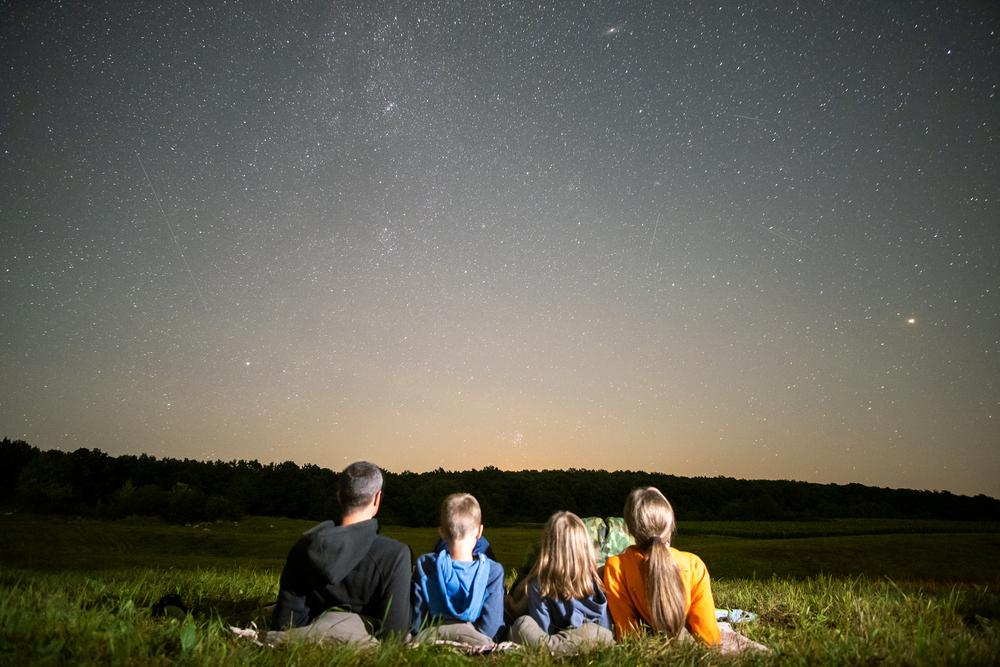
(79, 591)
(76, 543)
(941, 557)
(832, 527)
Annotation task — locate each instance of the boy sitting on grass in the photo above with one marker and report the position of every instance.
(457, 596)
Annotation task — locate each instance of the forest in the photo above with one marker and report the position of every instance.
(89, 482)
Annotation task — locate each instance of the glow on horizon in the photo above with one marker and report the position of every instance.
(450, 235)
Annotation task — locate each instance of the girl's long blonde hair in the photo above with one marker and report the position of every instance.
(650, 519)
(565, 567)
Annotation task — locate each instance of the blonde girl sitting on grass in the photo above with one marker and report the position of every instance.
(567, 607)
(651, 584)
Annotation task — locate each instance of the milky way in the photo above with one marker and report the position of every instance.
(754, 240)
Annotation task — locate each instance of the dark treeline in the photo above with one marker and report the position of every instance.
(90, 482)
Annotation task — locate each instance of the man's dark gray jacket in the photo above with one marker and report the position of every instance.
(350, 568)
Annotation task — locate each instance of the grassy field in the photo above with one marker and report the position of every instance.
(79, 591)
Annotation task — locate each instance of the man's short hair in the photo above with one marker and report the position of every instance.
(460, 515)
(358, 484)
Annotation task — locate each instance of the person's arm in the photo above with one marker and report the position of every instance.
(700, 620)
(605, 620)
(623, 612)
(396, 595)
(418, 603)
(491, 619)
(537, 608)
(291, 610)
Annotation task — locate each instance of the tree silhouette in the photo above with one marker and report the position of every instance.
(88, 481)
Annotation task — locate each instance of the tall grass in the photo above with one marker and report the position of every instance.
(81, 592)
(105, 618)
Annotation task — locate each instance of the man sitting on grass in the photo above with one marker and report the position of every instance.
(341, 583)
(461, 591)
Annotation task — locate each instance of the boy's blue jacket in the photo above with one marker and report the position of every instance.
(482, 547)
(554, 615)
(456, 591)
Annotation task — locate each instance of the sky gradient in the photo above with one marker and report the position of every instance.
(754, 240)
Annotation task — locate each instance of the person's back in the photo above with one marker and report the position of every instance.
(567, 610)
(347, 568)
(654, 585)
(461, 592)
(625, 577)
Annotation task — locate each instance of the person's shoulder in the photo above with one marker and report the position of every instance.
(427, 561)
(320, 527)
(496, 569)
(430, 556)
(317, 532)
(386, 547)
(389, 543)
(685, 556)
(629, 554)
(687, 560)
(321, 532)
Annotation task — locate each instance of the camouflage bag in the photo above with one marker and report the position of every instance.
(609, 536)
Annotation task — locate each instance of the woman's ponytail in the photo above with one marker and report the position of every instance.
(664, 590)
(650, 520)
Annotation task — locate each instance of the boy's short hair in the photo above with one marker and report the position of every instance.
(460, 514)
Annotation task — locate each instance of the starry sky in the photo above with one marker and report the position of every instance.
(748, 239)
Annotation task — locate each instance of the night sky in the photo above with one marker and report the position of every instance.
(759, 240)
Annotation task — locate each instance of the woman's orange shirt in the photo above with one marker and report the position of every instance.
(625, 584)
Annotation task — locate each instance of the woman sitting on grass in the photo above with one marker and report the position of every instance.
(567, 608)
(653, 585)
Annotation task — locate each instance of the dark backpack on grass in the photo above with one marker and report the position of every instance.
(171, 606)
